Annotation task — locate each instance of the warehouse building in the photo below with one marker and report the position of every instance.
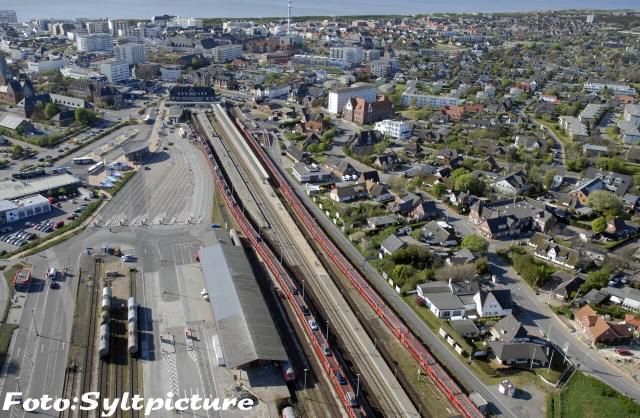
(247, 333)
(11, 189)
(16, 210)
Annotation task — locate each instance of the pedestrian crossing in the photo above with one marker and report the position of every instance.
(121, 219)
(169, 360)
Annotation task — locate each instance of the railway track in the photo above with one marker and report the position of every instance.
(353, 350)
(328, 363)
(133, 359)
(414, 346)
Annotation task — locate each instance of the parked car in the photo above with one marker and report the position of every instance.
(340, 378)
(313, 324)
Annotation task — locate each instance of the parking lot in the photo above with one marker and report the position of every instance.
(20, 233)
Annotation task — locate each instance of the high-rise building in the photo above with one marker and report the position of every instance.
(8, 17)
(347, 54)
(98, 42)
(97, 26)
(130, 53)
(226, 53)
(118, 26)
(338, 98)
(115, 71)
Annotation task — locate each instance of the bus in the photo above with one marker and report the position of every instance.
(217, 348)
(83, 160)
(96, 168)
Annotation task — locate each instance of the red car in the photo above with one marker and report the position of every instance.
(623, 352)
(71, 217)
(59, 224)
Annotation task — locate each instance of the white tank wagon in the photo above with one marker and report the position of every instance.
(235, 238)
(132, 310)
(103, 348)
(106, 299)
(132, 338)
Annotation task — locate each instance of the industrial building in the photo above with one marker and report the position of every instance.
(11, 189)
(18, 209)
(247, 333)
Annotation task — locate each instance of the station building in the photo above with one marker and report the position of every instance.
(246, 330)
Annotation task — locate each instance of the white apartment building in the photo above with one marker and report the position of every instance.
(118, 26)
(338, 98)
(412, 98)
(97, 26)
(78, 73)
(348, 54)
(371, 55)
(115, 71)
(187, 22)
(8, 17)
(98, 42)
(130, 53)
(397, 129)
(226, 53)
(34, 67)
(616, 88)
(170, 73)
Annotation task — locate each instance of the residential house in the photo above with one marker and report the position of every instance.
(424, 210)
(310, 173)
(361, 143)
(462, 256)
(513, 184)
(547, 249)
(404, 204)
(386, 162)
(346, 192)
(16, 124)
(438, 234)
(568, 287)
(618, 229)
(391, 244)
(363, 112)
(493, 303)
(378, 192)
(512, 345)
(339, 166)
(628, 297)
(381, 222)
(599, 331)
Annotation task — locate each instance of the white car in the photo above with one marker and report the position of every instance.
(313, 324)
(128, 258)
(205, 294)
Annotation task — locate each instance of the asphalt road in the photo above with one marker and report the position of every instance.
(178, 182)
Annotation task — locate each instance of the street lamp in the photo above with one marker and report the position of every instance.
(327, 333)
(302, 289)
(358, 385)
(305, 378)
(33, 319)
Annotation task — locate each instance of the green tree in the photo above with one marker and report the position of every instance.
(605, 202)
(470, 183)
(85, 116)
(50, 110)
(438, 190)
(475, 243)
(548, 178)
(598, 225)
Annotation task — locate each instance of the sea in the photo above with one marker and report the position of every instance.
(121, 9)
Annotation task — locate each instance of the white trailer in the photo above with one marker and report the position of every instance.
(217, 348)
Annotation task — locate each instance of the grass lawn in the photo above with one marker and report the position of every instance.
(483, 369)
(7, 329)
(587, 397)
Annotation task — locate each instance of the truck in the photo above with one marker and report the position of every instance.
(217, 348)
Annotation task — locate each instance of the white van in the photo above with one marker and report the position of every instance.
(52, 272)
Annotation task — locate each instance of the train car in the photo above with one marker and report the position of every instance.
(217, 348)
(103, 349)
(235, 238)
(132, 310)
(288, 412)
(288, 373)
(132, 338)
(106, 299)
